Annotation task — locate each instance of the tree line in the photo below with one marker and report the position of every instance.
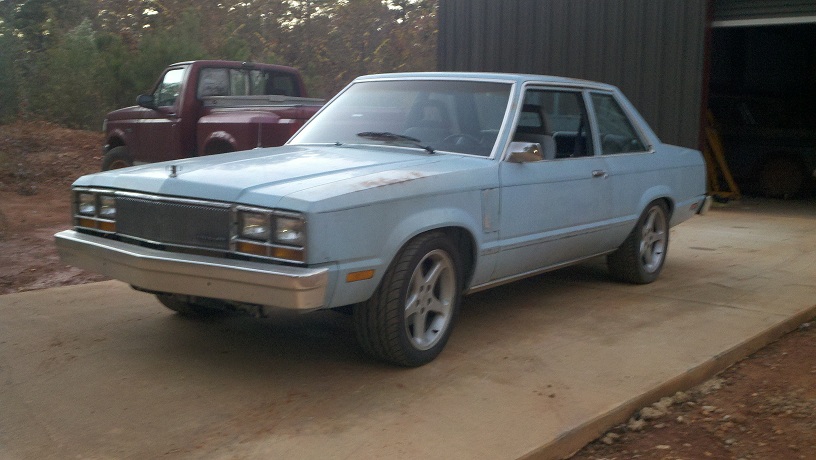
(71, 61)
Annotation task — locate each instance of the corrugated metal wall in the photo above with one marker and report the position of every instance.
(736, 10)
(652, 49)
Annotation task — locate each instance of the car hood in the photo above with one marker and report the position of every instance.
(264, 177)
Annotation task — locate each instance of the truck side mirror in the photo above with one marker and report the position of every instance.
(146, 101)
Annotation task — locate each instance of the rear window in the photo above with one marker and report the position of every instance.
(215, 81)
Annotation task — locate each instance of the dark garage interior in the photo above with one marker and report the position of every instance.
(762, 89)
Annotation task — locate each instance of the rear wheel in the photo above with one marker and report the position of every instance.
(116, 158)
(409, 318)
(640, 258)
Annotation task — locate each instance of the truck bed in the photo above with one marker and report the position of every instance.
(260, 101)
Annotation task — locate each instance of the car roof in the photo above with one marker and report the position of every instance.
(494, 76)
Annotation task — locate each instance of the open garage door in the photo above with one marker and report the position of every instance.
(763, 90)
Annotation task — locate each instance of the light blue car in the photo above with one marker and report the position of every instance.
(403, 193)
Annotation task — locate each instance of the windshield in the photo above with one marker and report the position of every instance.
(452, 116)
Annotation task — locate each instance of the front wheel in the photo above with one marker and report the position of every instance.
(409, 318)
(640, 258)
(116, 158)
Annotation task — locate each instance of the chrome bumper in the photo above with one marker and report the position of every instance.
(706, 206)
(242, 281)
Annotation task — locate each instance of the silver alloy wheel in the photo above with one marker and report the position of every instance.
(430, 299)
(653, 240)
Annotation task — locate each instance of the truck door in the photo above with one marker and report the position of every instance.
(158, 131)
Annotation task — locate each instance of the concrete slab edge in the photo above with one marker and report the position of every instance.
(568, 443)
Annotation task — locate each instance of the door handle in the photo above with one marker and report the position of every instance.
(600, 173)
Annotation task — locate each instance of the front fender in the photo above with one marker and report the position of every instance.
(116, 137)
(383, 247)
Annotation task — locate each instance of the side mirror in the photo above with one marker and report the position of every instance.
(525, 152)
(146, 101)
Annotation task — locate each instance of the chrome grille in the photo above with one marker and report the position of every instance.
(176, 223)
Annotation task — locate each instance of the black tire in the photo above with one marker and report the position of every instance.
(116, 158)
(185, 307)
(218, 147)
(781, 177)
(410, 317)
(640, 258)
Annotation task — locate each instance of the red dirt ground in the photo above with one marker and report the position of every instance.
(761, 408)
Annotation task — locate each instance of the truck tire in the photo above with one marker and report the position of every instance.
(117, 157)
(409, 318)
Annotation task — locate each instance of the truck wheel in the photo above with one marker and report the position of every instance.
(410, 316)
(115, 158)
(781, 177)
(640, 258)
(185, 308)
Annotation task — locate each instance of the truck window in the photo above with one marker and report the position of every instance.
(243, 82)
(168, 90)
(213, 82)
(274, 83)
(239, 86)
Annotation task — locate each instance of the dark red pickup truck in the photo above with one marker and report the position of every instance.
(208, 107)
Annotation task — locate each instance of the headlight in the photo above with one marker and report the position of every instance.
(289, 230)
(107, 207)
(86, 204)
(254, 226)
(95, 210)
(270, 234)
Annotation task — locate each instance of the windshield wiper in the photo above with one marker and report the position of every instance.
(393, 137)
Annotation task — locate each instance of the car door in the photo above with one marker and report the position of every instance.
(552, 211)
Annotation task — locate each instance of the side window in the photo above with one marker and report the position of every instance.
(557, 120)
(168, 90)
(616, 131)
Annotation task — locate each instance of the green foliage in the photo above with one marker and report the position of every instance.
(64, 89)
(9, 97)
(72, 61)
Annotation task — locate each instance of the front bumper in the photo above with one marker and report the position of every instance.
(241, 281)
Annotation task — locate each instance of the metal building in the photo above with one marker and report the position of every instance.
(657, 51)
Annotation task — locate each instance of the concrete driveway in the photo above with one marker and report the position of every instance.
(536, 368)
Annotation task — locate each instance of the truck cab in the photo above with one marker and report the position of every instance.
(208, 107)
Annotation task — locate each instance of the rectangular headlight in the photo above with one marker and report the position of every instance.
(254, 226)
(95, 209)
(271, 234)
(289, 230)
(86, 204)
(107, 207)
